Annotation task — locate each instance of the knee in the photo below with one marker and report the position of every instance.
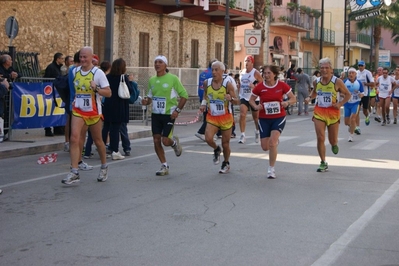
(165, 141)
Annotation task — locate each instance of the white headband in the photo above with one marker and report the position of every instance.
(162, 58)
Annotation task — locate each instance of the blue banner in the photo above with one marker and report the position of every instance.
(34, 106)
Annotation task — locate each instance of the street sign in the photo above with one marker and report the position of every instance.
(253, 38)
(12, 27)
(254, 51)
(384, 58)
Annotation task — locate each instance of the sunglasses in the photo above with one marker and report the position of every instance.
(360, 65)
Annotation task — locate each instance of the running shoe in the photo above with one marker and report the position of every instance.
(85, 167)
(383, 123)
(177, 148)
(388, 120)
(395, 121)
(335, 149)
(242, 139)
(323, 167)
(225, 168)
(357, 131)
(163, 171)
(103, 175)
(367, 121)
(200, 136)
(127, 153)
(378, 119)
(117, 156)
(257, 135)
(66, 146)
(350, 139)
(233, 136)
(88, 156)
(71, 178)
(271, 173)
(216, 155)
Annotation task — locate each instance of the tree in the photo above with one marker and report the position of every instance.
(387, 19)
(261, 12)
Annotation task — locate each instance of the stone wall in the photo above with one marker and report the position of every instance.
(50, 26)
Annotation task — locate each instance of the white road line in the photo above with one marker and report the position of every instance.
(355, 229)
(369, 144)
(110, 162)
(313, 143)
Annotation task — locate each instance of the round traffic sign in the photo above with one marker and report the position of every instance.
(11, 27)
(252, 40)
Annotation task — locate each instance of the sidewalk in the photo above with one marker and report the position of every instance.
(33, 141)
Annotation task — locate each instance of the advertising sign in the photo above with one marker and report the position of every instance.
(384, 58)
(34, 106)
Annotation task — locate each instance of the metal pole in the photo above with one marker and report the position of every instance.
(109, 30)
(226, 33)
(345, 29)
(321, 29)
(371, 47)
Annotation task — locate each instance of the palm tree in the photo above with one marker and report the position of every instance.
(261, 11)
(387, 19)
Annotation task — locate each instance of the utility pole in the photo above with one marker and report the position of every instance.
(322, 29)
(109, 30)
(226, 33)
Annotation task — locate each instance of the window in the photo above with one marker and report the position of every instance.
(278, 2)
(144, 49)
(99, 42)
(218, 51)
(194, 53)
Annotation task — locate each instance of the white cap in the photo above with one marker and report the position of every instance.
(162, 58)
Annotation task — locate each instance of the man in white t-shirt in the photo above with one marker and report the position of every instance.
(367, 79)
(385, 84)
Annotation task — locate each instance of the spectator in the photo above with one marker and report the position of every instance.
(116, 109)
(304, 86)
(10, 74)
(53, 70)
(291, 72)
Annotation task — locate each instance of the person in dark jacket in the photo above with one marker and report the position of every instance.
(53, 70)
(116, 109)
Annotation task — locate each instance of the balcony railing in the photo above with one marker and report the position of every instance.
(328, 35)
(294, 17)
(364, 39)
(245, 5)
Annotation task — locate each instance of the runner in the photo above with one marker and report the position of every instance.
(395, 96)
(364, 76)
(90, 83)
(385, 84)
(327, 110)
(249, 76)
(163, 89)
(218, 96)
(351, 108)
(377, 99)
(271, 112)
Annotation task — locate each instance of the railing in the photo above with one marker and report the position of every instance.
(328, 35)
(364, 39)
(280, 14)
(246, 5)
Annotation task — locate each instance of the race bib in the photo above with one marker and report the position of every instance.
(217, 107)
(354, 97)
(324, 99)
(84, 102)
(159, 105)
(272, 108)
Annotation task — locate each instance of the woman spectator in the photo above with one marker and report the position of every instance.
(271, 111)
(116, 109)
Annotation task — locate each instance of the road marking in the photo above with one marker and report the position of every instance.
(354, 230)
(94, 166)
(313, 143)
(295, 120)
(369, 144)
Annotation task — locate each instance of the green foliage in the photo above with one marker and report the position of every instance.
(232, 3)
(292, 6)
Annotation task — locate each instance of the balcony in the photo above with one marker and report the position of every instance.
(314, 36)
(291, 19)
(241, 11)
(363, 40)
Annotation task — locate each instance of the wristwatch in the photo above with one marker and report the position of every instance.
(178, 110)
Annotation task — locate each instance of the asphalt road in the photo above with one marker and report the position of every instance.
(195, 216)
